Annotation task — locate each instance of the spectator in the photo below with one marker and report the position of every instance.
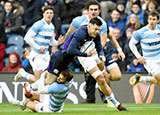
(68, 7)
(116, 33)
(133, 22)
(129, 6)
(152, 5)
(136, 8)
(114, 55)
(121, 4)
(135, 66)
(13, 64)
(12, 21)
(3, 42)
(121, 7)
(31, 13)
(84, 11)
(116, 22)
(126, 49)
(144, 4)
(106, 6)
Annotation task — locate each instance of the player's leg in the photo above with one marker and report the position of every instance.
(115, 73)
(152, 67)
(23, 74)
(113, 69)
(138, 78)
(50, 78)
(37, 74)
(98, 75)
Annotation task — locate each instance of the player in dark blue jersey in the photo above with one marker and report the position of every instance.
(92, 60)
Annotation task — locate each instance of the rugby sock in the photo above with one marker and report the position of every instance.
(145, 78)
(26, 75)
(113, 99)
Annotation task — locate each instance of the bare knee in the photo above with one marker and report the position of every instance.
(100, 79)
(115, 76)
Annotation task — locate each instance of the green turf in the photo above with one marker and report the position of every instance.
(89, 109)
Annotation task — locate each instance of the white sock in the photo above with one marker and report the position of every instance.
(145, 79)
(113, 99)
(26, 75)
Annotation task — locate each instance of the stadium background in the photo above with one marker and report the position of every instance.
(122, 89)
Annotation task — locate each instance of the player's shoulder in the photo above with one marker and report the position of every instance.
(39, 23)
(158, 26)
(142, 29)
(103, 22)
(79, 19)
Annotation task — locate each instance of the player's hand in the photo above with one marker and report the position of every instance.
(91, 52)
(60, 40)
(102, 58)
(141, 60)
(42, 49)
(121, 55)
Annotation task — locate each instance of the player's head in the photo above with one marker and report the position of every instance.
(65, 76)
(153, 19)
(94, 27)
(48, 13)
(94, 9)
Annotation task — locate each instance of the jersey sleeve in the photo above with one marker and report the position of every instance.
(30, 35)
(137, 36)
(76, 42)
(103, 29)
(55, 88)
(76, 22)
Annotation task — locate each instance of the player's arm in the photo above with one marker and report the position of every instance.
(71, 28)
(115, 43)
(29, 38)
(73, 47)
(103, 39)
(53, 88)
(99, 49)
(133, 48)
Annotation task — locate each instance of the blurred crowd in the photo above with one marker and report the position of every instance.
(123, 18)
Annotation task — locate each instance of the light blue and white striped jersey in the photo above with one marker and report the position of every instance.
(150, 41)
(83, 20)
(58, 94)
(42, 34)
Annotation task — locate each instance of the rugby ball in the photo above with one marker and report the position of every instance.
(87, 46)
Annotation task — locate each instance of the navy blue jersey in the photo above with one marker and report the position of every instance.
(77, 39)
(71, 48)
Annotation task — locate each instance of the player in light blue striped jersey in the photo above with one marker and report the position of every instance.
(57, 91)
(149, 38)
(39, 37)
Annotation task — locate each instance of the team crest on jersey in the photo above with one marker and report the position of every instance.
(55, 71)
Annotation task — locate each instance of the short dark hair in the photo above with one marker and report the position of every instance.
(95, 21)
(154, 13)
(92, 2)
(48, 7)
(68, 74)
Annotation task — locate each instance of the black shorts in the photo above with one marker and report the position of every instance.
(58, 62)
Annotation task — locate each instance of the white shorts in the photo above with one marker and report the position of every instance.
(153, 67)
(43, 106)
(89, 63)
(39, 61)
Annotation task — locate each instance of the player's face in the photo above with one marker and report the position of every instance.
(48, 15)
(61, 79)
(152, 22)
(93, 30)
(93, 11)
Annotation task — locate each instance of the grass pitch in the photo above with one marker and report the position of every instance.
(88, 109)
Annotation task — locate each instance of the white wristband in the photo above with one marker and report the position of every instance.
(119, 49)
